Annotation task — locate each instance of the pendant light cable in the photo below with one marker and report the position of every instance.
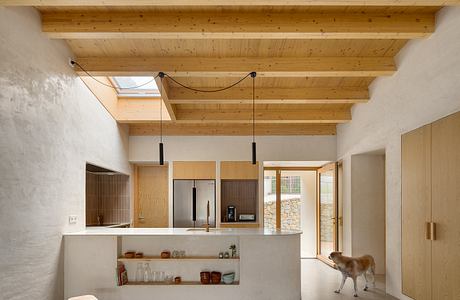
(74, 63)
(208, 91)
(254, 151)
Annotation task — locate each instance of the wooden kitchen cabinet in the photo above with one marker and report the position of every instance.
(430, 210)
(239, 170)
(194, 170)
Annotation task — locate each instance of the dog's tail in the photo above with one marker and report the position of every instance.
(371, 268)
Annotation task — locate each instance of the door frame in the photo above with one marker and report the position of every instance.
(278, 171)
(333, 166)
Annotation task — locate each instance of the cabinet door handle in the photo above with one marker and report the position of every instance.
(430, 231)
(433, 230)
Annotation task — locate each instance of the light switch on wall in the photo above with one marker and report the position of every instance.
(72, 219)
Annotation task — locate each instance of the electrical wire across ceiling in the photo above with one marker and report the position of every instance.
(162, 75)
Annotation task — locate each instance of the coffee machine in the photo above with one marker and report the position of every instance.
(231, 213)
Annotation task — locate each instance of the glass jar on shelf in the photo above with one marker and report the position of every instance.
(140, 272)
(147, 273)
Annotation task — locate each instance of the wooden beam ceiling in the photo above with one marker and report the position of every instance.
(264, 116)
(236, 25)
(240, 66)
(314, 58)
(164, 92)
(173, 128)
(228, 2)
(267, 95)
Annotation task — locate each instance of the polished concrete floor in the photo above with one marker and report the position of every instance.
(319, 282)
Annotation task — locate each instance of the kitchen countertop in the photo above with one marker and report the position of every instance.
(101, 231)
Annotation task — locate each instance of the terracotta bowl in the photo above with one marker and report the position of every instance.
(205, 277)
(216, 277)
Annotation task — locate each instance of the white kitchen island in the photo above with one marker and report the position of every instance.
(267, 265)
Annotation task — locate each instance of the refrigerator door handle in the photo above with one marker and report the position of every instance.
(194, 205)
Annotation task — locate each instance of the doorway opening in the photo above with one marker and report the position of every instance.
(290, 195)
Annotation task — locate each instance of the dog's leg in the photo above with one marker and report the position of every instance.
(344, 278)
(373, 275)
(365, 277)
(355, 286)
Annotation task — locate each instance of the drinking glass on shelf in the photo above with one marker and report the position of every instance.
(161, 276)
(139, 272)
(147, 273)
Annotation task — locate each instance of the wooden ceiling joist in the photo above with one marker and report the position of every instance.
(236, 25)
(240, 66)
(228, 2)
(267, 95)
(164, 91)
(265, 116)
(173, 128)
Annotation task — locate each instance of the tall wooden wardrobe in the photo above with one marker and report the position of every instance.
(431, 211)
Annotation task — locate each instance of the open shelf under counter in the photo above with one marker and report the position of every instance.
(179, 284)
(186, 258)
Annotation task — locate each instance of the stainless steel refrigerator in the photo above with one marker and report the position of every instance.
(185, 208)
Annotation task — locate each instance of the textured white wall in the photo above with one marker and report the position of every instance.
(368, 207)
(269, 148)
(50, 125)
(425, 88)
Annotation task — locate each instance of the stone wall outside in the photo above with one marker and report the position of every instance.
(290, 214)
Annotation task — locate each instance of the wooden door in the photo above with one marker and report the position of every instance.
(416, 212)
(327, 211)
(446, 208)
(151, 199)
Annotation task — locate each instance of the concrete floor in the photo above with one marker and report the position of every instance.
(319, 282)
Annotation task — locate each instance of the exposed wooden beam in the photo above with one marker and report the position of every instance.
(173, 128)
(164, 90)
(264, 116)
(240, 66)
(228, 2)
(267, 95)
(240, 25)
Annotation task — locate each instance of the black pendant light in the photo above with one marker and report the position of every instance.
(162, 162)
(254, 155)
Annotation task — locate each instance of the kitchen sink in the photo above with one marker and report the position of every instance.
(204, 229)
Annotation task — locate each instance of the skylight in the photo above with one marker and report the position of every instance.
(135, 86)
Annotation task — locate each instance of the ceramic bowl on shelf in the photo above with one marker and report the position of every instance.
(228, 278)
(216, 277)
(130, 254)
(205, 277)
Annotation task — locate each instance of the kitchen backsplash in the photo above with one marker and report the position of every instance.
(107, 196)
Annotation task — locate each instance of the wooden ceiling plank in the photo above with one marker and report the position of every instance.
(239, 66)
(107, 3)
(236, 25)
(267, 95)
(265, 116)
(173, 128)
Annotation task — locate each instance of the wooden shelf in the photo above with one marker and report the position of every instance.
(157, 258)
(182, 283)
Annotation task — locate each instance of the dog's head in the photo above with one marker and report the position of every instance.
(335, 256)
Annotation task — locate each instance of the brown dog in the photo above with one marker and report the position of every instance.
(353, 267)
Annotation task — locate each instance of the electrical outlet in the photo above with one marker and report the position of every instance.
(73, 219)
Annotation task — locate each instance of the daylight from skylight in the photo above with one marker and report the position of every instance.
(136, 86)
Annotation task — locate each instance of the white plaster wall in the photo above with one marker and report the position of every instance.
(425, 88)
(50, 125)
(368, 207)
(269, 148)
(308, 214)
